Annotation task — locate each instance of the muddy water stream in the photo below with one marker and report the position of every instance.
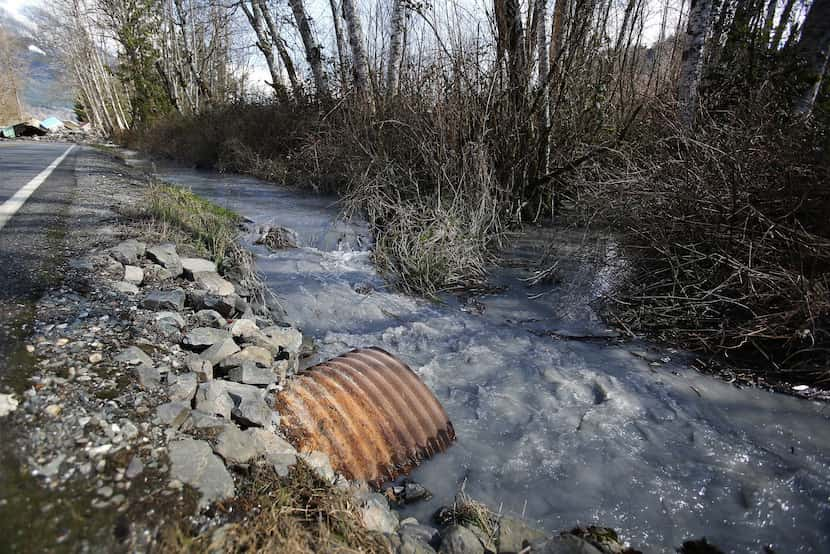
(566, 429)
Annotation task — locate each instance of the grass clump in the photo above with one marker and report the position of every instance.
(213, 228)
(299, 513)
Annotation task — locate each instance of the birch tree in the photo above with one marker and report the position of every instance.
(340, 38)
(691, 67)
(396, 33)
(357, 42)
(313, 51)
(812, 55)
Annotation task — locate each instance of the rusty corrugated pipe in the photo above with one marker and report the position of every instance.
(368, 411)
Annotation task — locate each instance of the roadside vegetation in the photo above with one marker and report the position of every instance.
(698, 140)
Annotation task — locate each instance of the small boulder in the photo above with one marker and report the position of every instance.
(8, 404)
(194, 463)
(256, 354)
(288, 338)
(157, 273)
(220, 351)
(190, 266)
(460, 540)
(125, 287)
(564, 544)
(165, 255)
(243, 328)
(320, 463)
(210, 318)
(200, 367)
(147, 376)
(182, 387)
(133, 274)
(200, 338)
(236, 446)
(514, 535)
(376, 515)
(213, 283)
(173, 413)
(171, 318)
(127, 252)
(158, 300)
(134, 469)
(250, 373)
(253, 412)
(134, 356)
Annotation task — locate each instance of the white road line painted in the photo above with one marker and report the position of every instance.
(10, 206)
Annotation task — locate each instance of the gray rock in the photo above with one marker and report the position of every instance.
(287, 338)
(256, 354)
(157, 273)
(513, 535)
(220, 351)
(201, 338)
(460, 540)
(125, 287)
(252, 412)
(243, 328)
(134, 356)
(172, 318)
(320, 463)
(193, 462)
(213, 283)
(423, 533)
(133, 274)
(210, 318)
(8, 404)
(376, 515)
(128, 251)
(148, 376)
(134, 469)
(165, 255)
(221, 397)
(250, 373)
(269, 444)
(235, 446)
(207, 422)
(182, 387)
(196, 265)
(164, 300)
(201, 367)
(564, 544)
(225, 305)
(173, 413)
(414, 545)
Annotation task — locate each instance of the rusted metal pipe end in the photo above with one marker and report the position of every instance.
(368, 411)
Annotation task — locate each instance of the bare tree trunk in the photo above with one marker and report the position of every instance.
(543, 121)
(360, 59)
(812, 55)
(782, 24)
(342, 54)
(510, 41)
(279, 44)
(397, 28)
(264, 44)
(559, 10)
(692, 61)
(313, 53)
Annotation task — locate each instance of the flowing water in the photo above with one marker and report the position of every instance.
(554, 420)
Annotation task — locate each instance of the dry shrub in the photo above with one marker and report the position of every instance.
(299, 513)
(729, 232)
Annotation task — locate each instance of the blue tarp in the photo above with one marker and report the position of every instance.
(51, 123)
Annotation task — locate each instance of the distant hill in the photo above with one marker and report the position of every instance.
(43, 90)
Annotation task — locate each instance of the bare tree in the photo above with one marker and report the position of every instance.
(357, 42)
(279, 44)
(813, 52)
(342, 47)
(313, 51)
(691, 68)
(396, 33)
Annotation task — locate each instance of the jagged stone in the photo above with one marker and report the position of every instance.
(158, 300)
(287, 338)
(243, 328)
(460, 540)
(125, 287)
(202, 368)
(165, 255)
(236, 446)
(148, 376)
(173, 413)
(256, 354)
(249, 373)
(134, 356)
(514, 535)
(133, 274)
(210, 318)
(213, 283)
(172, 318)
(127, 252)
(182, 387)
(196, 265)
(202, 338)
(220, 351)
(194, 463)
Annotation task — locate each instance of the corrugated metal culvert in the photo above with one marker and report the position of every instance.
(368, 411)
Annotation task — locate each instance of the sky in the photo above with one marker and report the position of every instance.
(15, 8)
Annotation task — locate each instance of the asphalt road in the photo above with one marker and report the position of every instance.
(30, 243)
